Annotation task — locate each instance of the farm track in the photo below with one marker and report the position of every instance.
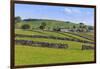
(53, 37)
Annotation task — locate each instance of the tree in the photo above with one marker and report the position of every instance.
(90, 28)
(68, 22)
(81, 26)
(74, 28)
(25, 27)
(85, 28)
(56, 29)
(42, 26)
(17, 19)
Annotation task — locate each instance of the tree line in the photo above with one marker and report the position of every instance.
(80, 28)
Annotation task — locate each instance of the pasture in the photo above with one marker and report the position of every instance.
(26, 55)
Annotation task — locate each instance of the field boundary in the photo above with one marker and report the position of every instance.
(41, 44)
(53, 37)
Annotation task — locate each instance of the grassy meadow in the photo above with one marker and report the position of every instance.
(31, 55)
(26, 55)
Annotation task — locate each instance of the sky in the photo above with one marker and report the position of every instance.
(62, 13)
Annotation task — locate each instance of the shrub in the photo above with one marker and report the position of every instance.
(86, 47)
(18, 19)
(25, 27)
(42, 26)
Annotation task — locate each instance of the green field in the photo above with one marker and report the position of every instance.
(88, 35)
(26, 55)
(48, 33)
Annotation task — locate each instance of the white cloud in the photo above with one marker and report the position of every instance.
(72, 10)
(68, 10)
(76, 10)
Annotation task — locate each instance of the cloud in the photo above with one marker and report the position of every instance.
(68, 10)
(76, 11)
(72, 10)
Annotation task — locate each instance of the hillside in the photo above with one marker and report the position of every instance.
(50, 24)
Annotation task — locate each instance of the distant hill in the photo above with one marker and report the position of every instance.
(50, 24)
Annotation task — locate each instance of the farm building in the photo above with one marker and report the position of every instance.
(64, 30)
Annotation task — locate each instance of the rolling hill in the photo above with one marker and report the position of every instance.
(50, 24)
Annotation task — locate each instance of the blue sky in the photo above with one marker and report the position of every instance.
(72, 14)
